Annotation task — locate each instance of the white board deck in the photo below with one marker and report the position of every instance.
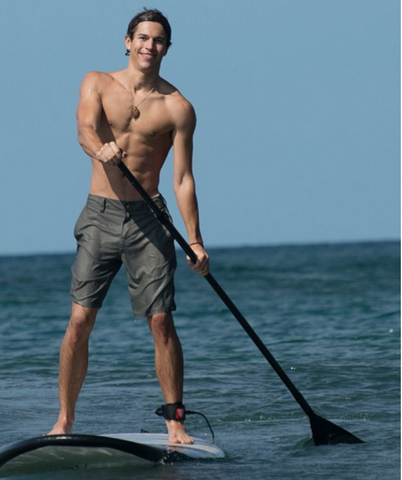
(59, 452)
(198, 450)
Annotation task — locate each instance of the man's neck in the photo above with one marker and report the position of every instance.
(137, 80)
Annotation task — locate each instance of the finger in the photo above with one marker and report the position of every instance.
(105, 153)
(201, 266)
(204, 270)
(115, 150)
(190, 263)
(123, 154)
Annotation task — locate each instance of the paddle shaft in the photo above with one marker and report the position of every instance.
(164, 219)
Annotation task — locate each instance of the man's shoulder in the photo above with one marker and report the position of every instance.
(100, 79)
(175, 99)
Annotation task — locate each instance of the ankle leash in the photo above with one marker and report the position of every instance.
(177, 412)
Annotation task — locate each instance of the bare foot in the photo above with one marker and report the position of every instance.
(177, 432)
(60, 429)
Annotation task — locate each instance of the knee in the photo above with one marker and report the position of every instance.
(162, 326)
(81, 323)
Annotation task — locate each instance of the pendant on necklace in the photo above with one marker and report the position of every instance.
(135, 113)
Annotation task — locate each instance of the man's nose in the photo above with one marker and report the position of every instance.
(150, 44)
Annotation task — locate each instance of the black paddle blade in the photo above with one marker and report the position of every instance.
(327, 433)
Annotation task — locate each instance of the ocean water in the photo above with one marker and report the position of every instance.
(330, 315)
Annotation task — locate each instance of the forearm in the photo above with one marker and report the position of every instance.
(89, 140)
(188, 206)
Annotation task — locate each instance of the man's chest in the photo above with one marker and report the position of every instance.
(149, 118)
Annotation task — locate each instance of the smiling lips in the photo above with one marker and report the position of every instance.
(147, 55)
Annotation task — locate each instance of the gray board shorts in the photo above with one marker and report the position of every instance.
(111, 233)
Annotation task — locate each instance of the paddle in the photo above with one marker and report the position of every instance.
(324, 432)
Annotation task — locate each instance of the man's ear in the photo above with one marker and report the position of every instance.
(127, 41)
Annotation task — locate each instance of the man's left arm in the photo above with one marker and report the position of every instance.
(184, 183)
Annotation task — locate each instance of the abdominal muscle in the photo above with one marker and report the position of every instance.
(108, 180)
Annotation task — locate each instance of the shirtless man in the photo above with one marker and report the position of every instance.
(135, 116)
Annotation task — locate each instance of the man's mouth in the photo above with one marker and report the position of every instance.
(147, 55)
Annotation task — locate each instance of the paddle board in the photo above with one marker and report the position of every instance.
(58, 452)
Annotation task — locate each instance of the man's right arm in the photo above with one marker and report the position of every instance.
(89, 112)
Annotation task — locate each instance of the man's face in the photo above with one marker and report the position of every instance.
(148, 46)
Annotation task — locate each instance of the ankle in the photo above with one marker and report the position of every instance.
(64, 423)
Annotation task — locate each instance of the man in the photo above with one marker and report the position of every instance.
(135, 116)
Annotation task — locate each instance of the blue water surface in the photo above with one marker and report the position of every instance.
(330, 315)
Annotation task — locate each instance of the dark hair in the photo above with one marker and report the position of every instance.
(150, 16)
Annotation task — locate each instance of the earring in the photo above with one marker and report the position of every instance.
(127, 53)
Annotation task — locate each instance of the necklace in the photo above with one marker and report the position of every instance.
(135, 111)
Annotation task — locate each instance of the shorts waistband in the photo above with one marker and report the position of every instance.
(104, 202)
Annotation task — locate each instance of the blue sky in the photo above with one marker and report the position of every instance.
(298, 107)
